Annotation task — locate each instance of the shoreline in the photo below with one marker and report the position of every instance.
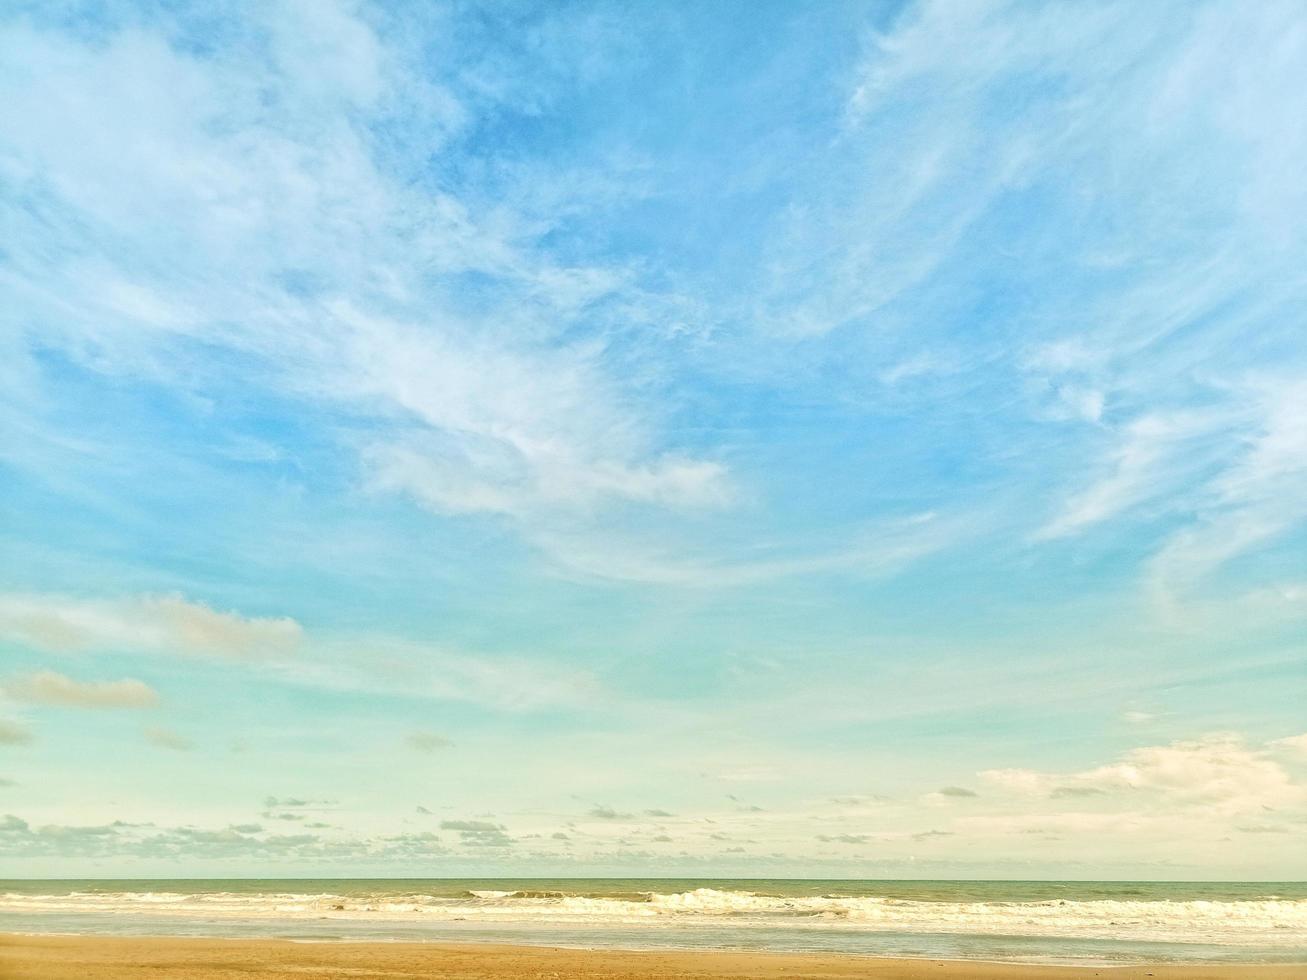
(51, 957)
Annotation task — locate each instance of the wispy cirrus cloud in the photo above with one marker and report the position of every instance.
(303, 251)
(1259, 498)
(1155, 458)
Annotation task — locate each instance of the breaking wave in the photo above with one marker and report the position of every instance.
(1270, 920)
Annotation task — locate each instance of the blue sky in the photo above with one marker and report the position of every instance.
(830, 439)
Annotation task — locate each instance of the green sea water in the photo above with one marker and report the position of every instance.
(1040, 921)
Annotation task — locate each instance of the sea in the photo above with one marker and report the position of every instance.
(1085, 922)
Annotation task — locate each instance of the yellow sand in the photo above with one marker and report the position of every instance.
(101, 958)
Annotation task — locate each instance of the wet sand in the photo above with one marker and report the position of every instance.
(104, 958)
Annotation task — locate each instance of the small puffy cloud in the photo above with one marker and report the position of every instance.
(427, 741)
(478, 833)
(559, 835)
(12, 733)
(166, 624)
(662, 839)
(422, 810)
(843, 838)
(166, 738)
(47, 687)
(932, 834)
(608, 813)
(858, 801)
(658, 813)
(957, 791)
(293, 808)
(287, 801)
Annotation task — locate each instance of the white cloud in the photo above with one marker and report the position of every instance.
(246, 171)
(1260, 497)
(1220, 773)
(427, 741)
(47, 687)
(1147, 462)
(462, 476)
(144, 624)
(1154, 335)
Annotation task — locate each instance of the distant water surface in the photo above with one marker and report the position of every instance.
(1038, 921)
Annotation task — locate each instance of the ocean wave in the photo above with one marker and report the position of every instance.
(1235, 922)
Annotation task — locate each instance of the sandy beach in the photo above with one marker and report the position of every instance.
(105, 958)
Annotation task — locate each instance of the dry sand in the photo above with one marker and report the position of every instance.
(102, 958)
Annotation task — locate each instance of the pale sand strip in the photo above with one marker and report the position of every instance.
(103, 958)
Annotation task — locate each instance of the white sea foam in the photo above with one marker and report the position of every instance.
(1278, 922)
